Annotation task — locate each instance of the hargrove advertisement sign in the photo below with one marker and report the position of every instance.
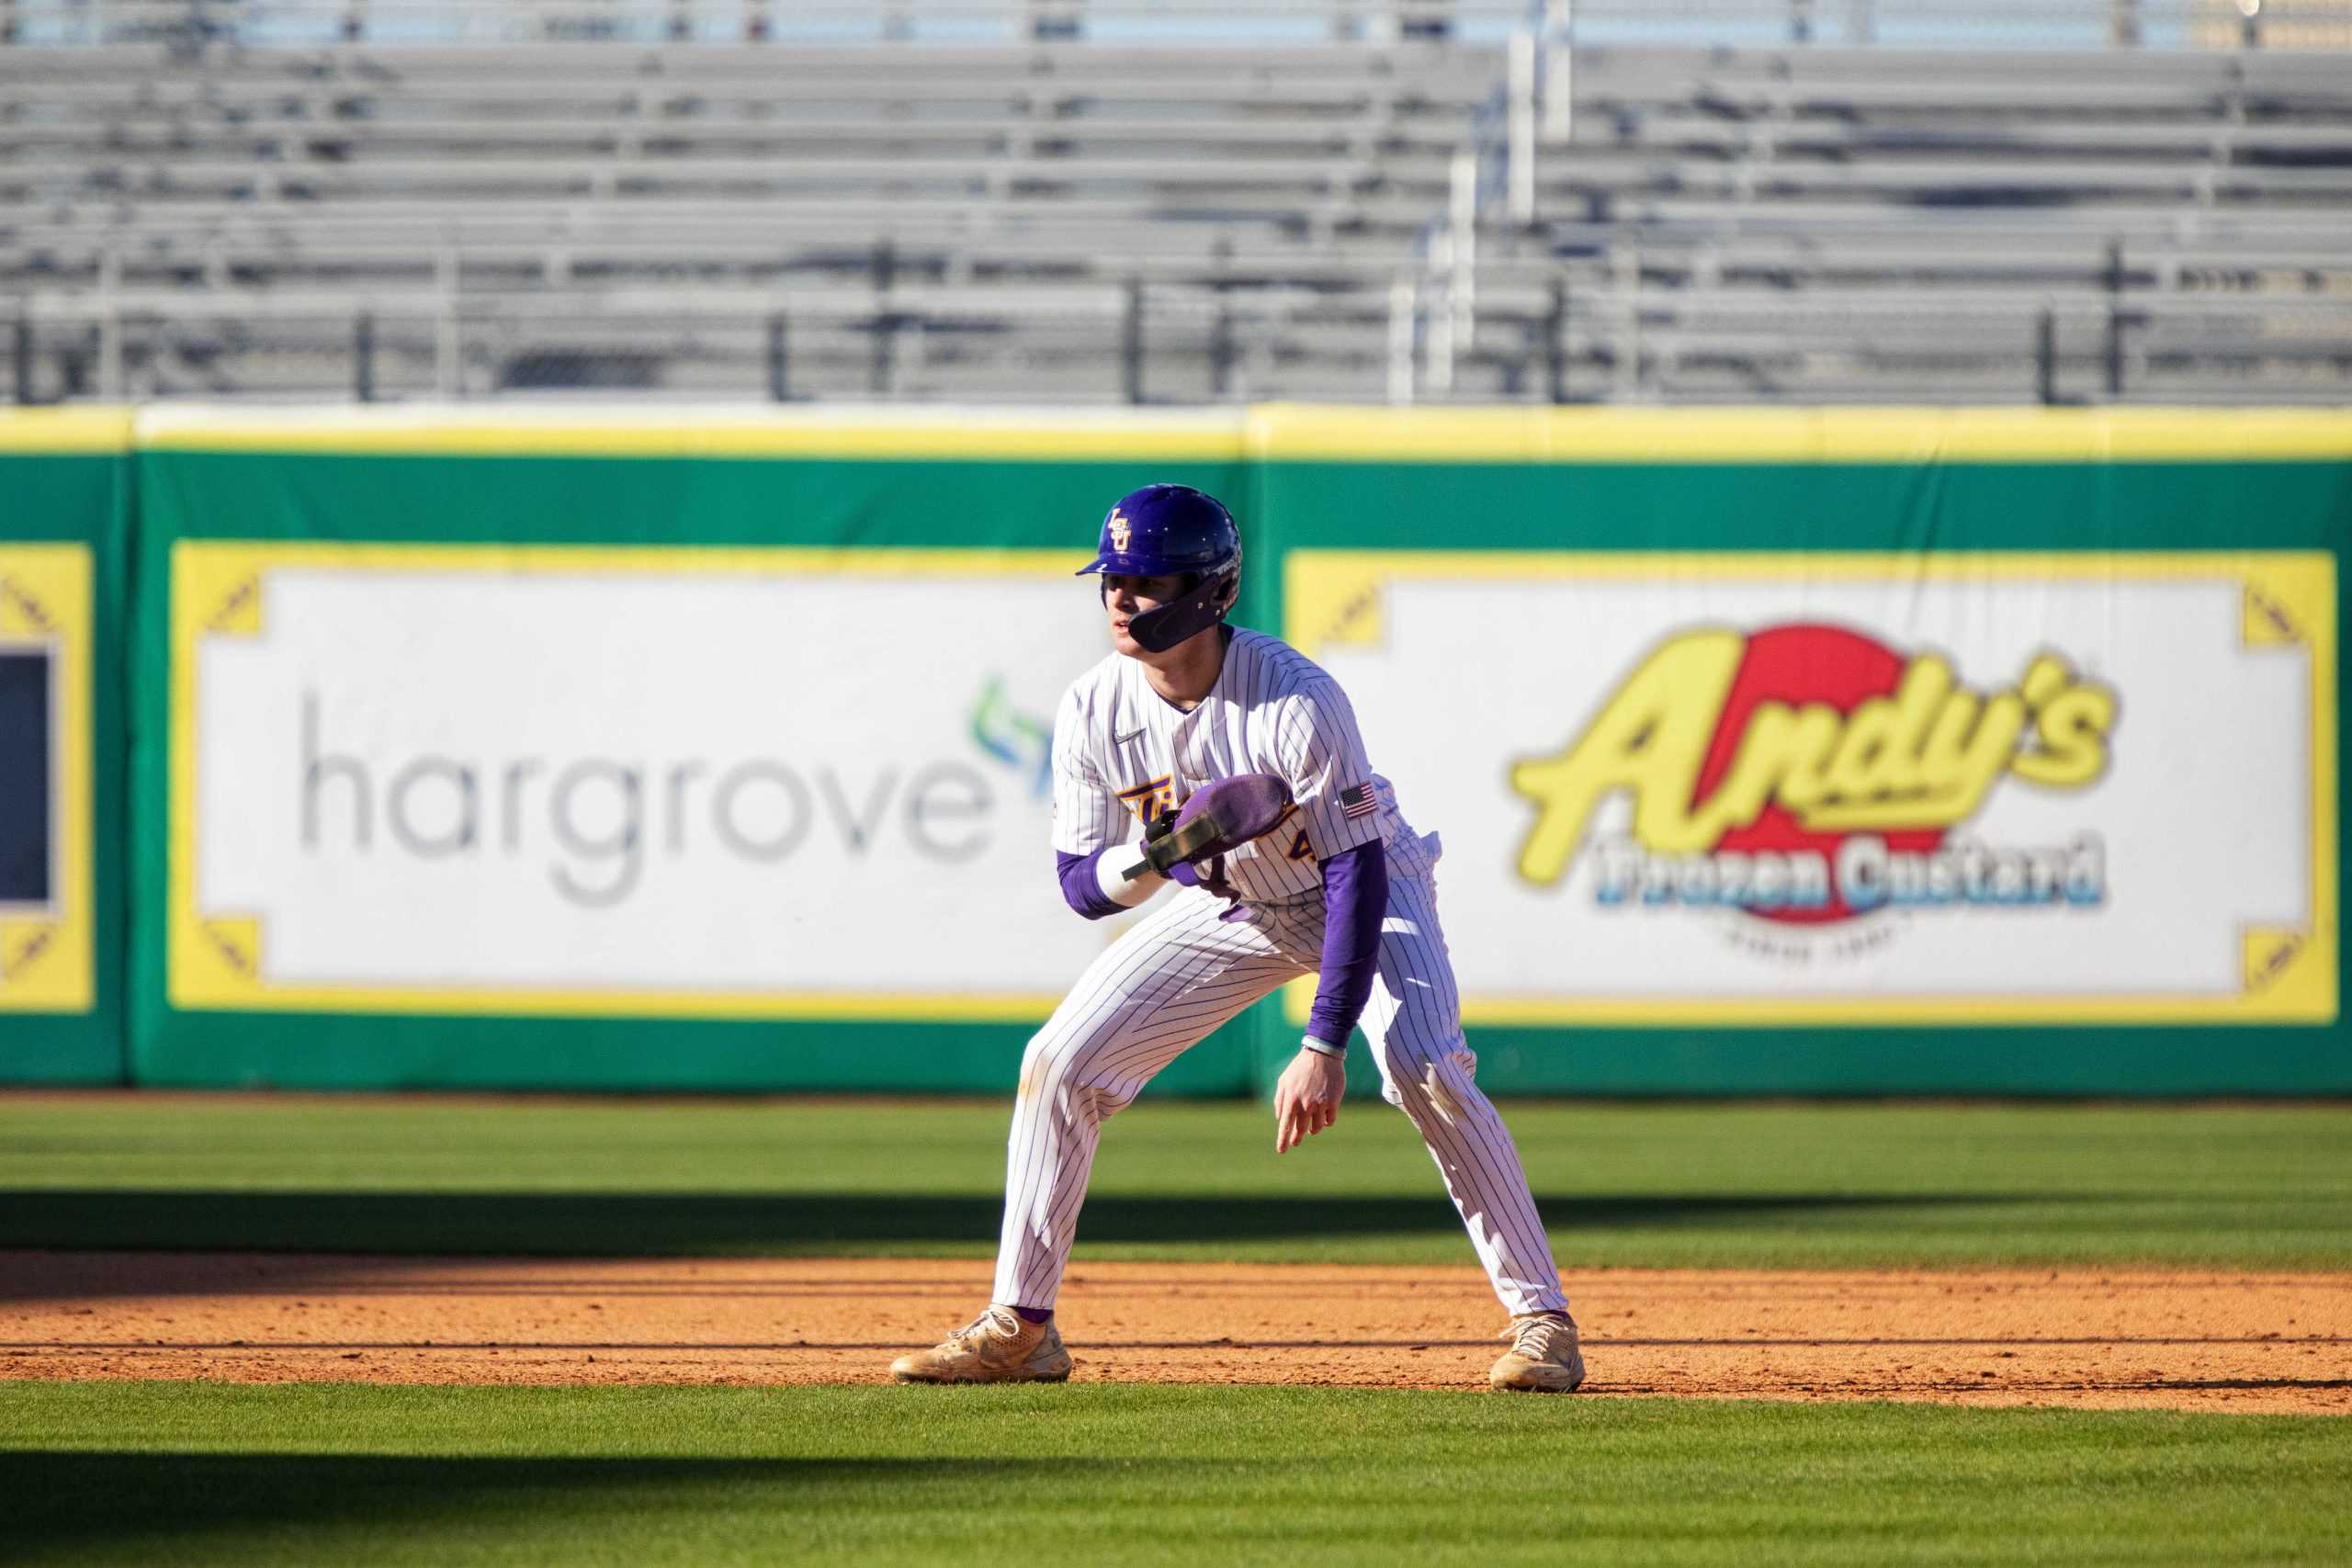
(552, 780)
(1886, 788)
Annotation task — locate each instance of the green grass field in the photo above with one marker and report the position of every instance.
(333, 1474)
(186, 1473)
(1769, 1186)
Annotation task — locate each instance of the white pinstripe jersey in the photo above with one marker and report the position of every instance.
(1123, 753)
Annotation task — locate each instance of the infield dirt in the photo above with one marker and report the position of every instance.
(2275, 1343)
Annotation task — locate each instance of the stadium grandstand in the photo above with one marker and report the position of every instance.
(1180, 201)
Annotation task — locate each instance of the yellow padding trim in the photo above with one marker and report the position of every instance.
(1303, 433)
(65, 432)
(1202, 434)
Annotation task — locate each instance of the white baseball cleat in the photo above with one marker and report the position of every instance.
(1543, 1358)
(999, 1345)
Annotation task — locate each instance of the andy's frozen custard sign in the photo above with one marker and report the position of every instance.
(1809, 774)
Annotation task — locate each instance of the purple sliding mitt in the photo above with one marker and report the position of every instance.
(1215, 820)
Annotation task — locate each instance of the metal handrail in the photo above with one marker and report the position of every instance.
(1245, 24)
(1636, 342)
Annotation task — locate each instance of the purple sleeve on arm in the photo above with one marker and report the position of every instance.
(1355, 900)
(1082, 885)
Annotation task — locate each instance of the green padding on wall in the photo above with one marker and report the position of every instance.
(1748, 506)
(63, 518)
(843, 503)
(323, 1051)
(1733, 1063)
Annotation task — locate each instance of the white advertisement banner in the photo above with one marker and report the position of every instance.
(1773, 789)
(769, 784)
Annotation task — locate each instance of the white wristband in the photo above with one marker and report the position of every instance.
(1322, 1047)
(1116, 887)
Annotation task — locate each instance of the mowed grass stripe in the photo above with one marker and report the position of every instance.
(305, 1474)
(1769, 1186)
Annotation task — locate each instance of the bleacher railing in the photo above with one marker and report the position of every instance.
(1427, 333)
(1902, 24)
(1143, 343)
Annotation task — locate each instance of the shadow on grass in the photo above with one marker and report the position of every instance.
(637, 1224)
(298, 1508)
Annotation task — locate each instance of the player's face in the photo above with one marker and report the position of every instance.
(1126, 597)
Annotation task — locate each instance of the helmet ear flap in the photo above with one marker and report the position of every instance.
(1233, 576)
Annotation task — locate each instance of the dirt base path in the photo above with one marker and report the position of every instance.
(2234, 1342)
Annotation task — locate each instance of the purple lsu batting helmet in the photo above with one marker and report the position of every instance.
(1173, 531)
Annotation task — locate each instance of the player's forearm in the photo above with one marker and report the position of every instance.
(1093, 886)
(1355, 900)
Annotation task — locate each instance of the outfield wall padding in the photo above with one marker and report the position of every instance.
(2184, 566)
(1772, 751)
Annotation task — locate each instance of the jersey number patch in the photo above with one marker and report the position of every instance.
(1299, 849)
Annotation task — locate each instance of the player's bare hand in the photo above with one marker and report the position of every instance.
(1307, 1098)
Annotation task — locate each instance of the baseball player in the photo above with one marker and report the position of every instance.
(1204, 734)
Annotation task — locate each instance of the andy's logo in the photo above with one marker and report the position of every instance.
(1793, 739)
(1120, 530)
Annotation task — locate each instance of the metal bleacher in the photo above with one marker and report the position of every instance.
(992, 200)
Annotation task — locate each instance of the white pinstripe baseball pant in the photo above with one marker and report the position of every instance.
(1162, 987)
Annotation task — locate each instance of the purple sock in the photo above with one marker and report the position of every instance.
(1034, 1315)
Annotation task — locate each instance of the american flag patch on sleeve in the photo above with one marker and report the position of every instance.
(1357, 800)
